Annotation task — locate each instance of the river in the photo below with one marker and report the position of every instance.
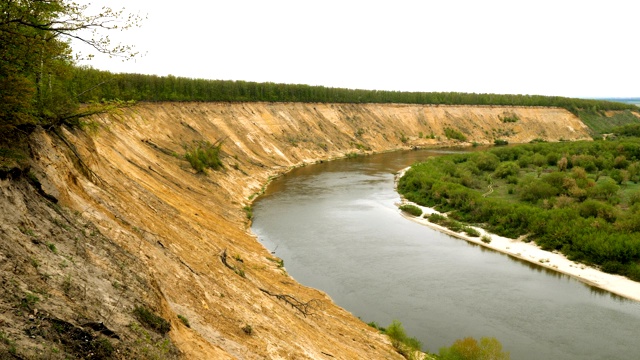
(337, 228)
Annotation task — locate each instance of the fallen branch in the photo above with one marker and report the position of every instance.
(223, 258)
(306, 308)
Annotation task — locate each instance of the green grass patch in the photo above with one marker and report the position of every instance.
(150, 320)
(411, 209)
(600, 124)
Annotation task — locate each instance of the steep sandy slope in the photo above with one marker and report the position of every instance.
(173, 227)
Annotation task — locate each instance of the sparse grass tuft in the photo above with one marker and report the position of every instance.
(248, 210)
(184, 320)
(151, 320)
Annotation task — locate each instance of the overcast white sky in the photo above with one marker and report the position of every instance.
(548, 47)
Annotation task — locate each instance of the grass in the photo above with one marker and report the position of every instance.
(4, 339)
(405, 345)
(509, 118)
(248, 210)
(184, 320)
(52, 247)
(151, 320)
(454, 134)
(411, 209)
(471, 231)
(600, 124)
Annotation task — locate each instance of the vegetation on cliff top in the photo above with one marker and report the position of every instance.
(40, 84)
(170, 88)
(36, 62)
(582, 199)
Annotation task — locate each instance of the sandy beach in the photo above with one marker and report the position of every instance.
(530, 252)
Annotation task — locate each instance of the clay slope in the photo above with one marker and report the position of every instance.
(127, 178)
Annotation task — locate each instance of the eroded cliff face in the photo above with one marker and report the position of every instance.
(136, 225)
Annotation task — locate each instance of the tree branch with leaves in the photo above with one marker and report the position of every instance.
(36, 57)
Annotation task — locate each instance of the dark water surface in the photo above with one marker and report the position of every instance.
(337, 228)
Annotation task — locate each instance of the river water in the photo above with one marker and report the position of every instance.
(337, 228)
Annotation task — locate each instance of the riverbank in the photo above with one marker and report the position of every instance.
(185, 234)
(530, 252)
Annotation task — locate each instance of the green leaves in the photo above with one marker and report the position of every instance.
(36, 61)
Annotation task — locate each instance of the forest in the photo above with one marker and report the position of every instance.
(108, 86)
(581, 199)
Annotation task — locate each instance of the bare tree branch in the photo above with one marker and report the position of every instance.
(306, 308)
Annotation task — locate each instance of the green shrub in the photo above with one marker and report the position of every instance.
(454, 134)
(500, 142)
(470, 349)
(404, 344)
(437, 218)
(411, 209)
(506, 169)
(151, 320)
(375, 325)
(509, 118)
(486, 239)
(471, 231)
(203, 155)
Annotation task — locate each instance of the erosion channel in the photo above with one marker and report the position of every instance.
(337, 228)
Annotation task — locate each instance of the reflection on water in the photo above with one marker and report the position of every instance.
(337, 228)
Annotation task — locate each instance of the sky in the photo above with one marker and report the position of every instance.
(545, 47)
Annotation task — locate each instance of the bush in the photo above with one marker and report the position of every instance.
(471, 231)
(454, 134)
(437, 218)
(500, 142)
(486, 239)
(411, 209)
(203, 154)
(469, 349)
(404, 344)
(486, 161)
(509, 118)
(506, 169)
(151, 320)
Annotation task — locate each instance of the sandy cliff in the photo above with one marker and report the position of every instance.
(138, 226)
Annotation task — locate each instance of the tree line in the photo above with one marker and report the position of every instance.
(105, 85)
(582, 199)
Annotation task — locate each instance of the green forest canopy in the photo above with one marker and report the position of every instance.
(170, 88)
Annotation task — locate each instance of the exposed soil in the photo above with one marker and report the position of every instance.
(111, 219)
